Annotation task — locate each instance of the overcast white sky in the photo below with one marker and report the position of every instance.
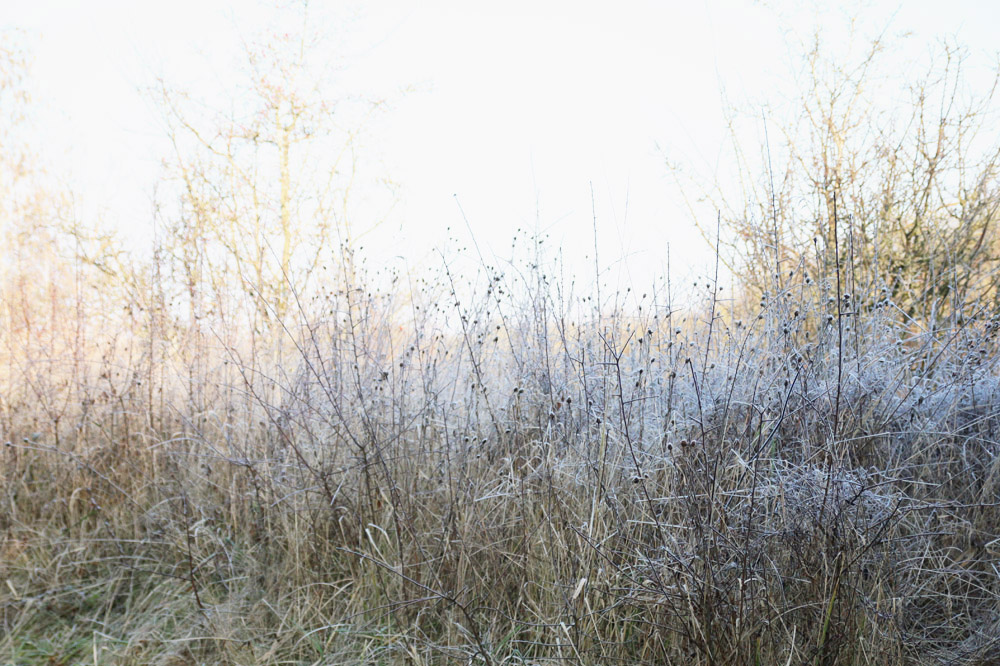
(515, 107)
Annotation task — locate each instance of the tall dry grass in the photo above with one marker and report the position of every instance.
(499, 467)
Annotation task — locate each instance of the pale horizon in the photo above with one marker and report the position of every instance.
(512, 114)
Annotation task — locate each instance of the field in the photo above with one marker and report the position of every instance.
(244, 440)
(510, 473)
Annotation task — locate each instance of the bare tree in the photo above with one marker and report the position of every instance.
(263, 187)
(907, 188)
